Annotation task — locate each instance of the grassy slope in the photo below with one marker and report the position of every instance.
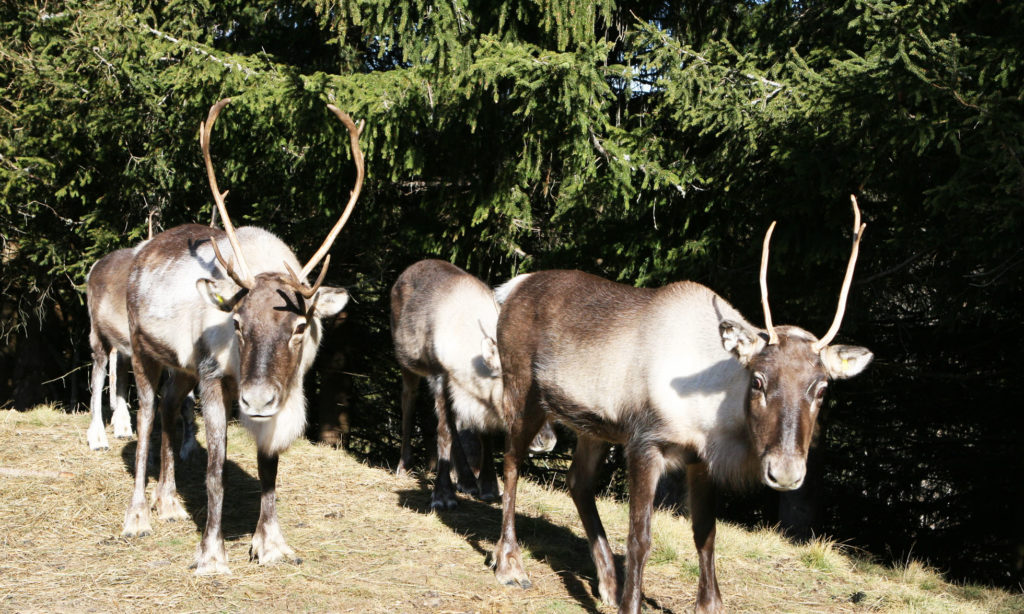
(369, 544)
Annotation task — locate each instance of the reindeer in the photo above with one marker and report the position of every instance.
(248, 333)
(442, 322)
(674, 375)
(106, 287)
(108, 337)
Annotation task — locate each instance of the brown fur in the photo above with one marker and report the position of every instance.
(676, 376)
(250, 345)
(440, 315)
(108, 338)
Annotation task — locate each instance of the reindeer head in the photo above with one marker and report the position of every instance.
(276, 316)
(790, 370)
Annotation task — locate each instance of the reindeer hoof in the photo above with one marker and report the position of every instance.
(268, 544)
(489, 494)
(472, 491)
(443, 504)
(97, 439)
(212, 560)
(267, 551)
(403, 470)
(122, 423)
(169, 509)
(212, 568)
(521, 583)
(508, 566)
(136, 523)
(443, 501)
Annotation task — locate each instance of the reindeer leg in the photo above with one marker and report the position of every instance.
(444, 492)
(410, 383)
(701, 492)
(218, 397)
(97, 434)
(463, 457)
(488, 479)
(121, 420)
(189, 445)
(268, 544)
(165, 498)
(644, 467)
(507, 558)
(589, 454)
(147, 375)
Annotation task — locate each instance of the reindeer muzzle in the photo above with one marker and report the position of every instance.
(258, 401)
(783, 472)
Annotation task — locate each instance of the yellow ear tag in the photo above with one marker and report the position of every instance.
(846, 363)
(220, 300)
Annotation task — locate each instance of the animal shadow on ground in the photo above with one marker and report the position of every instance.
(567, 554)
(241, 490)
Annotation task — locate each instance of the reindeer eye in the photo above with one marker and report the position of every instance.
(237, 324)
(819, 393)
(300, 328)
(757, 383)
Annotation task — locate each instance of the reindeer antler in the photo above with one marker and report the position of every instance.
(243, 277)
(354, 133)
(302, 288)
(858, 232)
(773, 337)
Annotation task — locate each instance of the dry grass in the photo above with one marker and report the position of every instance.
(370, 544)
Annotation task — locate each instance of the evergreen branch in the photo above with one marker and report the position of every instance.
(598, 147)
(895, 268)
(198, 49)
(996, 273)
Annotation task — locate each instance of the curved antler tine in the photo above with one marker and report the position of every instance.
(357, 154)
(205, 129)
(303, 289)
(858, 232)
(296, 281)
(320, 277)
(773, 337)
(228, 267)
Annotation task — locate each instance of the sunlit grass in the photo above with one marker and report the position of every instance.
(370, 543)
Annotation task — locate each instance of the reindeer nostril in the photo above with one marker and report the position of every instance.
(257, 401)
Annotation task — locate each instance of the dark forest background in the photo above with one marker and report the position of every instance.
(643, 141)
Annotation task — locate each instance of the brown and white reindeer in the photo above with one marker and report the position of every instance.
(245, 330)
(106, 288)
(443, 325)
(106, 285)
(674, 375)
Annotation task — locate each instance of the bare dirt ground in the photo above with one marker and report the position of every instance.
(369, 543)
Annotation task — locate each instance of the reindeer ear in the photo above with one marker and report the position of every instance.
(743, 343)
(845, 361)
(330, 301)
(489, 350)
(223, 294)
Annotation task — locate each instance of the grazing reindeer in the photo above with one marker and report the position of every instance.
(674, 375)
(106, 287)
(247, 334)
(442, 322)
